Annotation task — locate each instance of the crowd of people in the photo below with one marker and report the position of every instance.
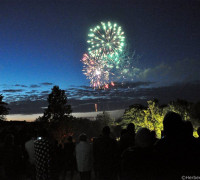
(136, 156)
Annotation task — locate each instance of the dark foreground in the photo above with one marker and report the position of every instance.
(36, 155)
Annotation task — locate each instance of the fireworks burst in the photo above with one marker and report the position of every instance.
(108, 58)
(95, 71)
(106, 40)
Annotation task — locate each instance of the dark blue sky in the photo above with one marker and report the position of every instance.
(43, 41)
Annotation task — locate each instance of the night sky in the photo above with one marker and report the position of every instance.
(42, 43)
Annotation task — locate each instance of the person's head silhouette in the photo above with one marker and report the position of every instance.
(106, 131)
(173, 124)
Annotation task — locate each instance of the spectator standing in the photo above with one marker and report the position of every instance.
(11, 158)
(106, 155)
(84, 157)
(29, 147)
(69, 157)
(172, 149)
(127, 137)
(43, 156)
(138, 161)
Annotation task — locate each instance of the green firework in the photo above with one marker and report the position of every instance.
(106, 41)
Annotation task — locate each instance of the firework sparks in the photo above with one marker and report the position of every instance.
(95, 71)
(106, 40)
(108, 58)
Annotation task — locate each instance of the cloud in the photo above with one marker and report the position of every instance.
(35, 86)
(46, 84)
(41, 84)
(186, 70)
(123, 97)
(32, 92)
(45, 92)
(164, 82)
(20, 85)
(85, 92)
(125, 85)
(156, 72)
(13, 90)
(83, 99)
(27, 107)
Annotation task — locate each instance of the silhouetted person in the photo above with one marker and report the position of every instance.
(105, 155)
(198, 139)
(154, 138)
(11, 158)
(84, 157)
(58, 159)
(188, 135)
(192, 148)
(122, 143)
(44, 154)
(172, 150)
(127, 138)
(198, 132)
(69, 157)
(137, 161)
(123, 132)
(29, 147)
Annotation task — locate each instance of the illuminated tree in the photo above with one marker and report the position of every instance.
(154, 115)
(195, 112)
(189, 112)
(150, 117)
(3, 110)
(135, 114)
(181, 107)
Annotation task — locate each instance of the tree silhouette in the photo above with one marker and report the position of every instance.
(57, 109)
(3, 110)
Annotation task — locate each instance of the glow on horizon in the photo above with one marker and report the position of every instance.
(31, 117)
(22, 117)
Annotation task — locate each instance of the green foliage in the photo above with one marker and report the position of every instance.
(3, 110)
(181, 107)
(135, 114)
(188, 111)
(152, 116)
(57, 109)
(195, 114)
